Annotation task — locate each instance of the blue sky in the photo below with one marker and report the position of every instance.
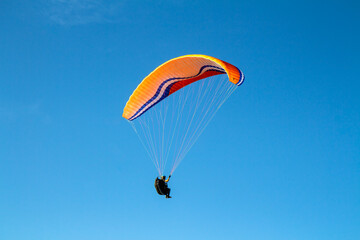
(281, 159)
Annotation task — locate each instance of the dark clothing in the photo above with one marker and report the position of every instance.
(162, 187)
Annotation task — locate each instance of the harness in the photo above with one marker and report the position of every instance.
(161, 186)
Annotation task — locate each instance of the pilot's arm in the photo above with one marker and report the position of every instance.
(168, 178)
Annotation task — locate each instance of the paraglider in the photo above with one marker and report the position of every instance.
(161, 186)
(172, 106)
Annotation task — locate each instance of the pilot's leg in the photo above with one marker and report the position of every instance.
(168, 193)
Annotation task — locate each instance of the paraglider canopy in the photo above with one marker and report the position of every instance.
(174, 75)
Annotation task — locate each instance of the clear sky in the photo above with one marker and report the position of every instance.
(280, 161)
